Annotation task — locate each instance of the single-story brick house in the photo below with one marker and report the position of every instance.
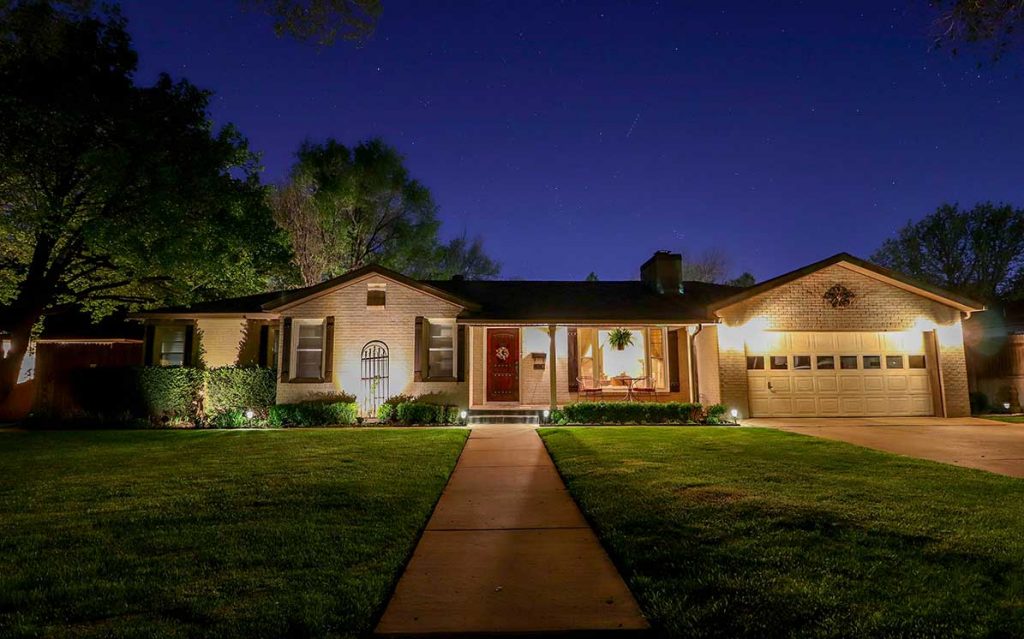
(840, 337)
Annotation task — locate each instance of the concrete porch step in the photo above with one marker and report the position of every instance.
(530, 417)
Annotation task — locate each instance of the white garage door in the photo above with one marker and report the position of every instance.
(809, 374)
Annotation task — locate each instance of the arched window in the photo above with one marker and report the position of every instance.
(374, 373)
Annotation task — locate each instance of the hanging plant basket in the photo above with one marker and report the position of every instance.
(620, 338)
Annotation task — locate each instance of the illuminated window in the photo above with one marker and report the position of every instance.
(440, 349)
(309, 349)
(642, 362)
(170, 345)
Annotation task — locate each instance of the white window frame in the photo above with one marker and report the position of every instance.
(294, 347)
(455, 348)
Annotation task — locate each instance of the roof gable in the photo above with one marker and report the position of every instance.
(863, 267)
(291, 298)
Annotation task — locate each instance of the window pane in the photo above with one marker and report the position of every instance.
(657, 349)
(307, 364)
(779, 362)
(309, 350)
(872, 362)
(848, 362)
(172, 346)
(441, 349)
(894, 361)
(801, 362)
(755, 362)
(916, 361)
(441, 363)
(826, 362)
(618, 366)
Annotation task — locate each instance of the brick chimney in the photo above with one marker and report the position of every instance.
(663, 272)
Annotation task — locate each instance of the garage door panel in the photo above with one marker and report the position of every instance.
(841, 391)
(803, 384)
(874, 384)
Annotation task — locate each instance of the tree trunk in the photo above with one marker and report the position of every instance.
(11, 360)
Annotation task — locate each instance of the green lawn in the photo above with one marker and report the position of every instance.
(1009, 419)
(729, 532)
(211, 534)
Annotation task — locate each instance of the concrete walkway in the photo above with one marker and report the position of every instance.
(976, 443)
(508, 551)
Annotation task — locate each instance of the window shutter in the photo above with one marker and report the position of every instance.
(673, 361)
(461, 346)
(286, 349)
(574, 361)
(190, 333)
(329, 349)
(417, 375)
(264, 346)
(149, 345)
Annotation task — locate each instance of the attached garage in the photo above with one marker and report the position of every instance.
(840, 374)
(838, 338)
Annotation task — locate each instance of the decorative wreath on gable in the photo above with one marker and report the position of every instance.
(839, 296)
(501, 353)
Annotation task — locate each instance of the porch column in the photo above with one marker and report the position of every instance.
(552, 366)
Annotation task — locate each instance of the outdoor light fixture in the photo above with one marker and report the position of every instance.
(249, 414)
(547, 413)
(1006, 405)
(735, 413)
(463, 414)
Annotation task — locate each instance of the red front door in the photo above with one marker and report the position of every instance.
(503, 364)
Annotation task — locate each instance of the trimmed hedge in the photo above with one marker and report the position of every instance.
(638, 413)
(413, 413)
(169, 395)
(325, 411)
(235, 389)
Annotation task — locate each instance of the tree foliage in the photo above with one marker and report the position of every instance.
(111, 193)
(744, 279)
(322, 21)
(345, 208)
(709, 266)
(977, 252)
(994, 24)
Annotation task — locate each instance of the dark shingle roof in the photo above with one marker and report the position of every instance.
(245, 304)
(560, 300)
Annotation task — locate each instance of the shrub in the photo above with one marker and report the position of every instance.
(633, 413)
(325, 410)
(236, 418)
(387, 412)
(418, 412)
(240, 388)
(169, 395)
(715, 414)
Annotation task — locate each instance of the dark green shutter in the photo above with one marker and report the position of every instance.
(190, 334)
(286, 349)
(461, 375)
(329, 349)
(417, 374)
(673, 361)
(149, 345)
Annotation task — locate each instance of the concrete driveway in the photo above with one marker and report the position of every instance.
(975, 443)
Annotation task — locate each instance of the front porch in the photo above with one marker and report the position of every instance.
(532, 366)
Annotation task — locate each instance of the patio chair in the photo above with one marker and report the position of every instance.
(642, 389)
(588, 389)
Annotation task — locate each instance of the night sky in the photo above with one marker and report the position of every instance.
(579, 137)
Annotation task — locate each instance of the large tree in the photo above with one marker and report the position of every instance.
(112, 194)
(977, 252)
(343, 208)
